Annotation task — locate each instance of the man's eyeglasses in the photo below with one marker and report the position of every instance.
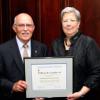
(24, 25)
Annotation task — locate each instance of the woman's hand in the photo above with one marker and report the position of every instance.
(74, 96)
(84, 90)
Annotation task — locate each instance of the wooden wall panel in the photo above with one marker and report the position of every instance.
(5, 21)
(0, 20)
(46, 15)
(50, 20)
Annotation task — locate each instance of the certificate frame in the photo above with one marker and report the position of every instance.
(49, 76)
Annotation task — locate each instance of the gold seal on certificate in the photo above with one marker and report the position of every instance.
(49, 76)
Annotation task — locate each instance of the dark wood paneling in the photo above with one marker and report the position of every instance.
(46, 15)
(0, 20)
(50, 20)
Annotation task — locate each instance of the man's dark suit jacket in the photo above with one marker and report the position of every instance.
(12, 66)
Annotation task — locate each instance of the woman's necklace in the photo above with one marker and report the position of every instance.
(67, 44)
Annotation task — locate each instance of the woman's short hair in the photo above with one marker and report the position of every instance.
(71, 10)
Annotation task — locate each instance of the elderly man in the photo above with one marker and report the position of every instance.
(12, 76)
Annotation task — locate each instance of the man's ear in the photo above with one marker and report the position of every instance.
(13, 27)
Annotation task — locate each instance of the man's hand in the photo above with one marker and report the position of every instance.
(19, 86)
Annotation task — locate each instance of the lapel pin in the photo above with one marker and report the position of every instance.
(35, 51)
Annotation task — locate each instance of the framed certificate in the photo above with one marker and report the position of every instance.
(49, 76)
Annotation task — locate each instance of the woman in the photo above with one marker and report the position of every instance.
(85, 52)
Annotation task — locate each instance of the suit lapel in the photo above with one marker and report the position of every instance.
(34, 49)
(16, 55)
